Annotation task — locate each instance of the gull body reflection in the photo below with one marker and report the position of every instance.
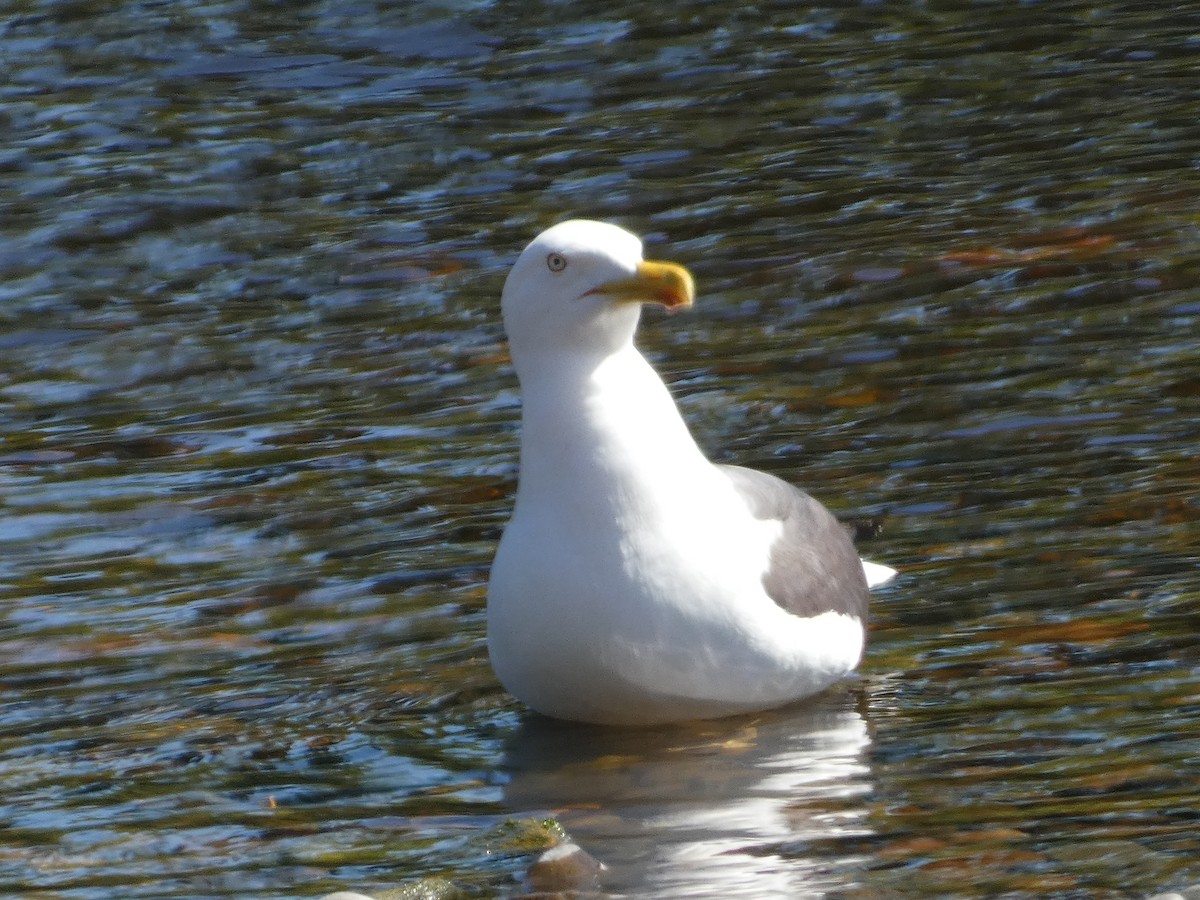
(724, 808)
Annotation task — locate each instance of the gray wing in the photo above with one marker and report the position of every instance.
(814, 567)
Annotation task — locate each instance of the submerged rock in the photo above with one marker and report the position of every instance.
(564, 867)
(1188, 893)
(425, 889)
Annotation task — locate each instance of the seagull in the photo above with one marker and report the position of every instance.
(638, 583)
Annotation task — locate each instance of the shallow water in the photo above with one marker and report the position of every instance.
(259, 437)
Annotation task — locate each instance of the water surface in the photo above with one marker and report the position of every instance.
(258, 437)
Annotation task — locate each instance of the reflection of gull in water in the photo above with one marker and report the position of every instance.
(703, 810)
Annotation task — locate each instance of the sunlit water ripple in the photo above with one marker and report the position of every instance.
(258, 437)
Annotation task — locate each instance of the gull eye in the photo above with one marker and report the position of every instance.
(556, 262)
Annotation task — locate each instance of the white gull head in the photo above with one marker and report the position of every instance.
(577, 289)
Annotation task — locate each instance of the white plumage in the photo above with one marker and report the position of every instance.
(636, 581)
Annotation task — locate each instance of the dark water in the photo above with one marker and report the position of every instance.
(258, 436)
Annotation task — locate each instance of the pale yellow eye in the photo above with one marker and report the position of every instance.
(556, 262)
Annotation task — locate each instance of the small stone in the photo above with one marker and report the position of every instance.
(564, 867)
(1187, 893)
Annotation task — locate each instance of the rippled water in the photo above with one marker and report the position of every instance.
(258, 436)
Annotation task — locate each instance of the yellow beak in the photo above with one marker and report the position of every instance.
(655, 282)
